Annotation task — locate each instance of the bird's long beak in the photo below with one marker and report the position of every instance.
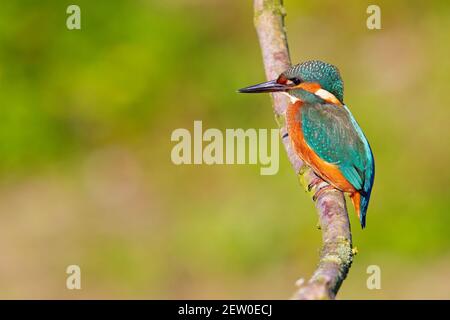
(269, 86)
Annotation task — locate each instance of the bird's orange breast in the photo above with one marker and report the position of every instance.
(327, 171)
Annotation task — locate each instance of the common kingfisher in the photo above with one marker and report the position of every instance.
(322, 130)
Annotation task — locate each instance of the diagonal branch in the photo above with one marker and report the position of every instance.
(336, 253)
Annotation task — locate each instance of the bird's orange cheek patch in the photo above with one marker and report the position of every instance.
(316, 89)
(309, 86)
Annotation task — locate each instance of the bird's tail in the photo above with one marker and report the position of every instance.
(360, 202)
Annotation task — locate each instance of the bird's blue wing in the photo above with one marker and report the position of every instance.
(333, 134)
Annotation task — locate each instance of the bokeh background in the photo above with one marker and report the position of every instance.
(85, 171)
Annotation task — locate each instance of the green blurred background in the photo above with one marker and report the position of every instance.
(85, 170)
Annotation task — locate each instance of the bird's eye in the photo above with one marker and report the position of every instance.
(295, 81)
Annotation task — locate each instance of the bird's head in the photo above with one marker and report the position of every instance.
(306, 81)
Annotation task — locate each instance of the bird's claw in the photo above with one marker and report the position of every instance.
(314, 182)
(322, 190)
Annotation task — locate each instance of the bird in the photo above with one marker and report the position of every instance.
(322, 130)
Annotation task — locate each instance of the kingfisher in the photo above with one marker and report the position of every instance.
(323, 131)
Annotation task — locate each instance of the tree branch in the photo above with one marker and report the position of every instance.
(336, 253)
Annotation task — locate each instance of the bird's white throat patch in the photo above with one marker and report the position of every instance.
(326, 95)
(291, 97)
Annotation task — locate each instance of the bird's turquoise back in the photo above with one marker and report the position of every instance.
(333, 134)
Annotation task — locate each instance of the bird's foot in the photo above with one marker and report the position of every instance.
(314, 183)
(322, 190)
